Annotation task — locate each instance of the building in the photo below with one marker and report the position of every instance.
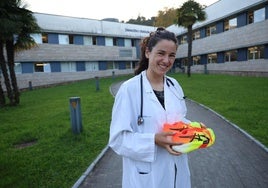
(233, 38)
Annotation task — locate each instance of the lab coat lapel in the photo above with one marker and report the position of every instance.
(148, 90)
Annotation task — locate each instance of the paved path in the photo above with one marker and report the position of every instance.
(234, 161)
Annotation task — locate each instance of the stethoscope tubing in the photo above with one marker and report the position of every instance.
(140, 117)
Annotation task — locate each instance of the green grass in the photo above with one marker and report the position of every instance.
(58, 157)
(242, 100)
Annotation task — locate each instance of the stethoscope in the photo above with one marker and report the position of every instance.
(168, 82)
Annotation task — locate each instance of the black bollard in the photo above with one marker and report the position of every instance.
(97, 83)
(30, 86)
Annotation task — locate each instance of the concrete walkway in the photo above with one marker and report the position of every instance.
(236, 160)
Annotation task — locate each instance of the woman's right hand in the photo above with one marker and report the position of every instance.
(164, 139)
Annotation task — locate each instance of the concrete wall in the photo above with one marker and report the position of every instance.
(42, 79)
(251, 68)
(56, 52)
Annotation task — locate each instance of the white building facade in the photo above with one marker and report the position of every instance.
(234, 37)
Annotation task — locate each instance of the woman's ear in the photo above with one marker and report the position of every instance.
(147, 52)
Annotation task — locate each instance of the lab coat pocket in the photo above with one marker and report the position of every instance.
(143, 167)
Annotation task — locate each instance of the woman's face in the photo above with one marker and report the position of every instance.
(162, 57)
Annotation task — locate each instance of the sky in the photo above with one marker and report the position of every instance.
(100, 9)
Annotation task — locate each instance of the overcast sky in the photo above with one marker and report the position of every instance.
(99, 9)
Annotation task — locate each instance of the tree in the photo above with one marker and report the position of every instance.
(17, 23)
(188, 14)
(141, 20)
(166, 17)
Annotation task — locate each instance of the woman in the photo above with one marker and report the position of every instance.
(142, 105)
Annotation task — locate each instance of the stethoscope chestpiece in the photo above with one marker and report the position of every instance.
(140, 120)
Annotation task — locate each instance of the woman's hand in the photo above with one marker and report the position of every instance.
(164, 139)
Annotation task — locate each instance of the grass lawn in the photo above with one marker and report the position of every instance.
(57, 157)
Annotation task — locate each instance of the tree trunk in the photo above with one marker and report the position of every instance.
(2, 95)
(189, 40)
(10, 60)
(5, 74)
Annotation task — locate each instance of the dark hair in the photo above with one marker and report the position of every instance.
(149, 42)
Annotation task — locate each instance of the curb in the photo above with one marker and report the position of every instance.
(93, 164)
(90, 168)
(234, 125)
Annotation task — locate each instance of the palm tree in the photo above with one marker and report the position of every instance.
(16, 23)
(188, 14)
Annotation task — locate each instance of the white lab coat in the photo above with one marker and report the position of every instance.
(144, 163)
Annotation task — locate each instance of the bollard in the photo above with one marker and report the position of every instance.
(97, 83)
(113, 75)
(205, 69)
(75, 110)
(30, 86)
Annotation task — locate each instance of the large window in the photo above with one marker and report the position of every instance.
(92, 66)
(109, 41)
(256, 52)
(37, 38)
(230, 24)
(68, 67)
(88, 40)
(112, 65)
(183, 39)
(256, 16)
(63, 39)
(128, 42)
(212, 58)
(42, 67)
(17, 68)
(44, 38)
(196, 35)
(129, 65)
(230, 56)
(196, 60)
(211, 30)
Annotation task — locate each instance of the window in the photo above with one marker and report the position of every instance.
(256, 52)
(68, 67)
(184, 39)
(92, 66)
(44, 38)
(211, 30)
(115, 42)
(63, 39)
(256, 16)
(17, 68)
(42, 67)
(212, 58)
(250, 17)
(132, 42)
(87, 40)
(230, 56)
(259, 15)
(71, 39)
(230, 24)
(129, 65)
(37, 38)
(108, 41)
(196, 35)
(112, 65)
(128, 43)
(196, 60)
(94, 40)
